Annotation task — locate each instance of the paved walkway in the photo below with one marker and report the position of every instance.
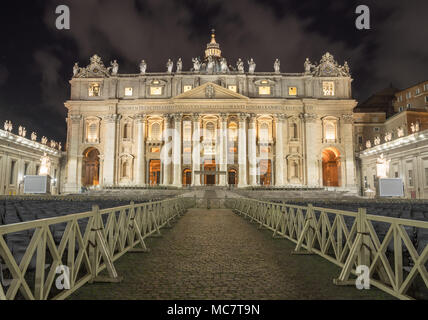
(215, 254)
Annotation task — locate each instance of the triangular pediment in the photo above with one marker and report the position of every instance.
(210, 91)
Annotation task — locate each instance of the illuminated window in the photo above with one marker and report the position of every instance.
(209, 131)
(264, 91)
(233, 131)
(187, 131)
(187, 88)
(94, 90)
(233, 150)
(155, 91)
(328, 88)
(292, 91)
(232, 88)
(128, 92)
(155, 132)
(187, 150)
(155, 150)
(264, 133)
(92, 131)
(330, 131)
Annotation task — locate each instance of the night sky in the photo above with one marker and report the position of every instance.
(36, 59)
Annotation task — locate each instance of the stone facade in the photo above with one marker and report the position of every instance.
(212, 125)
(20, 156)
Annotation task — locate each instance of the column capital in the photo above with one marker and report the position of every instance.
(224, 116)
(75, 118)
(309, 117)
(177, 117)
(348, 118)
(280, 117)
(242, 117)
(140, 118)
(111, 118)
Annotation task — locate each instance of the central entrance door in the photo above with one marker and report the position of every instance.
(154, 172)
(209, 165)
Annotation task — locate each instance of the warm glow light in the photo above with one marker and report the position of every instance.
(187, 88)
(155, 91)
(128, 92)
(264, 90)
(328, 88)
(292, 91)
(232, 88)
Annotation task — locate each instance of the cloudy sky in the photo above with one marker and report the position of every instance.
(36, 59)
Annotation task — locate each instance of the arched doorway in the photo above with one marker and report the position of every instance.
(265, 172)
(331, 167)
(187, 177)
(91, 167)
(232, 177)
(154, 172)
(209, 165)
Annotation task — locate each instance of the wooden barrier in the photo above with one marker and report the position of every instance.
(90, 243)
(347, 239)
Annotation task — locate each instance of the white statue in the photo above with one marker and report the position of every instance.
(276, 66)
(76, 69)
(24, 132)
(143, 67)
(179, 65)
(45, 166)
(114, 67)
(9, 126)
(210, 65)
(59, 146)
(6, 125)
(169, 65)
(308, 66)
(44, 140)
(20, 130)
(251, 66)
(382, 167)
(377, 141)
(223, 65)
(388, 136)
(33, 136)
(417, 126)
(240, 65)
(196, 64)
(414, 127)
(400, 132)
(368, 144)
(53, 144)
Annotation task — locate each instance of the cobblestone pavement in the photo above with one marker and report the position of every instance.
(215, 254)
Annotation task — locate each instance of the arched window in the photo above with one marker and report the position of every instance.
(330, 130)
(210, 131)
(155, 132)
(187, 131)
(264, 132)
(125, 169)
(294, 134)
(92, 132)
(233, 131)
(127, 131)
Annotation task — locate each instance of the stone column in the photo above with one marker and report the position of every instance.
(348, 143)
(252, 150)
(74, 135)
(110, 148)
(312, 141)
(140, 167)
(176, 151)
(196, 152)
(223, 149)
(165, 158)
(242, 151)
(279, 151)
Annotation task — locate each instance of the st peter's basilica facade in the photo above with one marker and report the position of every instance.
(216, 124)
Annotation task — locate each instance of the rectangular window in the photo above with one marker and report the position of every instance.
(232, 88)
(155, 150)
(426, 99)
(264, 91)
(292, 91)
(418, 91)
(408, 105)
(128, 92)
(155, 91)
(12, 172)
(400, 109)
(410, 175)
(426, 87)
(396, 174)
(360, 139)
(187, 88)
(376, 129)
(328, 88)
(37, 170)
(26, 168)
(408, 95)
(94, 90)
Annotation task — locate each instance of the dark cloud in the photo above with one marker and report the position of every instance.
(38, 58)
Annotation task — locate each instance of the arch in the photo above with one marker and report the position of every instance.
(331, 167)
(233, 131)
(265, 172)
(209, 179)
(187, 177)
(232, 177)
(154, 172)
(91, 167)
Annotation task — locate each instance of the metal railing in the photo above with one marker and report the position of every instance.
(89, 242)
(347, 239)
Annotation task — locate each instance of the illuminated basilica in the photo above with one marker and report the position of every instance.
(216, 124)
